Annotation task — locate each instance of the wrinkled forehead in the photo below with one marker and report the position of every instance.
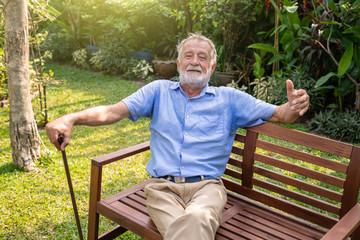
(197, 46)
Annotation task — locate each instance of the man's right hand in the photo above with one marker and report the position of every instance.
(60, 126)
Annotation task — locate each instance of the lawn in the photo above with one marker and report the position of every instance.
(37, 205)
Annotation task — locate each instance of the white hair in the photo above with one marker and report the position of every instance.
(198, 36)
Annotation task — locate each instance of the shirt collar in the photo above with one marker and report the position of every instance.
(207, 89)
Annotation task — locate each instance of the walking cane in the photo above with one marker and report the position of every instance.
(61, 140)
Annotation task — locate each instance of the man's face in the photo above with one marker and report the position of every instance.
(195, 64)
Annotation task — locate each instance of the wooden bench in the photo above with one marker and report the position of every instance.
(274, 191)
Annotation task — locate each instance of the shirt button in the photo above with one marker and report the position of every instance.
(189, 100)
(182, 168)
(184, 150)
(187, 116)
(186, 133)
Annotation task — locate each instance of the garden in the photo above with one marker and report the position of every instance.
(95, 52)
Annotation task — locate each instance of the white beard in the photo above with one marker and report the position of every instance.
(194, 79)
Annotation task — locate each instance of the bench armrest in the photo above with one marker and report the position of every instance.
(346, 225)
(120, 154)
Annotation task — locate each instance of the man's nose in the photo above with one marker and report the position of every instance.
(194, 61)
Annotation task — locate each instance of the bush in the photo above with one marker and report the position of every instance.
(61, 45)
(112, 56)
(97, 60)
(80, 58)
(340, 125)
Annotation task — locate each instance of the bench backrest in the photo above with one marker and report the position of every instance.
(308, 176)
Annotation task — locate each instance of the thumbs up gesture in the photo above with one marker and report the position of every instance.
(298, 99)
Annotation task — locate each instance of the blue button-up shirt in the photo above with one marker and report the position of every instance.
(193, 136)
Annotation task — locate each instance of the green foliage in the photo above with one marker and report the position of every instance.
(96, 60)
(340, 125)
(80, 58)
(112, 57)
(39, 12)
(258, 70)
(141, 24)
(60, 44)
(265, 88)
(326, 40)
(142, 69)
(228, 23)
(289, 31)
(345, 60)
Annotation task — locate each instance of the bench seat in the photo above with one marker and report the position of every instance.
(242, 218)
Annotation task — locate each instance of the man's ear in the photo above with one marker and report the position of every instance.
(213, 68)
(178, 64)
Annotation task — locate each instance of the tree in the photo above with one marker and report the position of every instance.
(24, 136)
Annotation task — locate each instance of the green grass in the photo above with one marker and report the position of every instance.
(37, 205)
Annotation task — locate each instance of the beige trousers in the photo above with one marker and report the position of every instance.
(186, 211)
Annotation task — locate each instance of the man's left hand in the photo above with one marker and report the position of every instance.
(298, 99)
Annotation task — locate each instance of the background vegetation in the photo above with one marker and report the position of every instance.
(315, 43)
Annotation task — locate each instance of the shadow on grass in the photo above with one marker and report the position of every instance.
(9, 168)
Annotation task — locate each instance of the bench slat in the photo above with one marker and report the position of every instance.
(289, 224)
(305, 139)
(235, 162)
(237, 232)
(289, 193)
(129, 218)
(325, 178)
(237, 150)
(310, 158)
(135, 205)
(324, 192)
(126, 192)
(296, 210)
(273, 227)
(297, 196)
(258, 229)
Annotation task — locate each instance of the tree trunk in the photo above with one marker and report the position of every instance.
(188, 24)
(24, 136)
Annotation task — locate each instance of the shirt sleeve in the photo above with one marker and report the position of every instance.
(249, 111)
(141, 102)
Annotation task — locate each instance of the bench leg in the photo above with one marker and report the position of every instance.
(356, 234)
(95, 192)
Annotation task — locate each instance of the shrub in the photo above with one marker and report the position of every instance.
(340, 125)
(97, 60)
(142, 69)
(265, 89)
(80, 58)
(112, 57)
(61, 45)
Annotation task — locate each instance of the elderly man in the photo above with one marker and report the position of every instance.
(192, 130)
